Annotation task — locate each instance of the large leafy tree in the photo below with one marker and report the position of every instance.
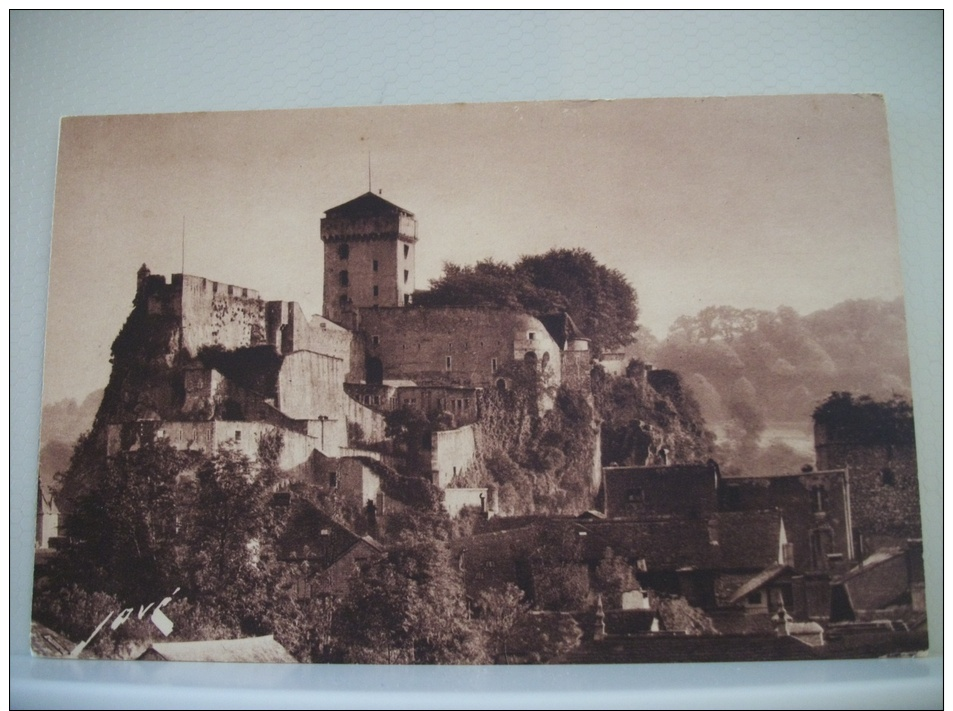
(513, 633)
(602, 303)
(864, 420)
(600, 299)
(232, 559)
(123, 531)
(409, 608)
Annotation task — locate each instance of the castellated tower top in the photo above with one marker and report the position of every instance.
(369, 255)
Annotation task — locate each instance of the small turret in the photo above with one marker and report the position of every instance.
(141, 277)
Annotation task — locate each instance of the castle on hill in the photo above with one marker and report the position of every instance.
(203, 363)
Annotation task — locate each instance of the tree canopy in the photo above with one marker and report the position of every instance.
(409, 607)
(865, 420)
(600, 300)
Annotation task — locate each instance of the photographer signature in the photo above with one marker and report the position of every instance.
(158, 618)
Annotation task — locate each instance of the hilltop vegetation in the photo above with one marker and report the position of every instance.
(600, 300)
(750, 368)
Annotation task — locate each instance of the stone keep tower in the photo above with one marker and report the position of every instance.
(368, 255)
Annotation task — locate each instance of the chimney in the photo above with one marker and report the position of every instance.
(600, 631)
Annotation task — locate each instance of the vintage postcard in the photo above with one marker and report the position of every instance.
(567, 382)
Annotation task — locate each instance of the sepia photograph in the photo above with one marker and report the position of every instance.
(574, 382)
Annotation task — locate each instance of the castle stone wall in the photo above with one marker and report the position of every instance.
(330, 434)
(289, 330)
(455, 500)
(416, 343)
(296, 458)
(453, 451)
(884, 489)
(311, 386)
(371, 423)
(577, 370)
(215, 314)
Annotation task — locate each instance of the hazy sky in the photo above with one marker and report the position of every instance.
(753, 202)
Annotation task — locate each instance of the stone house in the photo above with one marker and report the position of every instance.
(324, 554)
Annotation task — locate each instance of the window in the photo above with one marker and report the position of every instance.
(531, 335)
(245, 293)
(342, 299)
(375, 265)
(887, 477)
(376, 291)
(344, 251)
(449, 362)
(406, 275)
(238, 435)
(755, 598)
(333, 480)
(406, 299)
(818, 499)
(375, 340)
(406, 250)
(493, 365)
(450, 347)
(342, 277)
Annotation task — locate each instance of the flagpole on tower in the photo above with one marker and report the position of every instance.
(183, 245)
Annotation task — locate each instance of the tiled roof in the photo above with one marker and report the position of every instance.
(562, 328)
(757, 581)
(742, 540)
(654, 490)
(366, 204)
(736, 540)
(749, 538)
(249, 649)
(47, 643)
(781, 475)
(312, 535)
